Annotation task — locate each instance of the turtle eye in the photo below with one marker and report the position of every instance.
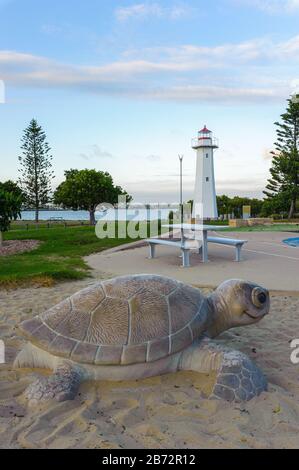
(259, 297)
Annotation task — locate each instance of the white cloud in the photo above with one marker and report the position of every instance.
(272, 6)
(153, 158)
(293, 4)
(140, 10)
(193, 57)
(155, 10)
(256, 70)
(216, 94)
(253, 51)
(96, 152)
(51, 29)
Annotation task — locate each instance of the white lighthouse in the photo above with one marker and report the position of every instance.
(205, 205)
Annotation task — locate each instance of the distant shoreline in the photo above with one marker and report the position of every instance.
(138, 214)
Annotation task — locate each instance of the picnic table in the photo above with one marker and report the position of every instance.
(202, 229)
(56, 219)
(201, 235)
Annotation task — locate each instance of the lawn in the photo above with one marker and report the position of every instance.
(59, 257)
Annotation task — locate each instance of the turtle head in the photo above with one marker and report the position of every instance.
(238, 303)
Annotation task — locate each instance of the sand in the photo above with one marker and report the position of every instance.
(163, 412)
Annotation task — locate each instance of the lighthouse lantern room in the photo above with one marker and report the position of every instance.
(205, 204)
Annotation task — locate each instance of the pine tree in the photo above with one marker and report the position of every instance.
(284, 178)
(36, 167)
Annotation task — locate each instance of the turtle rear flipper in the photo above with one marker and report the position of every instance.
(238, 378)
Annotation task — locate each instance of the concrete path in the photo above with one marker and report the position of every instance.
(266, 260)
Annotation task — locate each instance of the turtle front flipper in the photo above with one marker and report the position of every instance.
(62, 385)
(238, 378)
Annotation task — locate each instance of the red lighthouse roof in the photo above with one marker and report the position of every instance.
(205, 130)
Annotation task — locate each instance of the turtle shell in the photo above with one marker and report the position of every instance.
(126, 320)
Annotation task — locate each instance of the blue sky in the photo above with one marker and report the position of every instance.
(123, 86)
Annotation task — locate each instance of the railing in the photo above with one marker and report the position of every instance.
(206, 142)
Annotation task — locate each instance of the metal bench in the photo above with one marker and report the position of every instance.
(153, 242)
(238, 244)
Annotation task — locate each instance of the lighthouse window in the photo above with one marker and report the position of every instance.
(207, 179)
(207, 155)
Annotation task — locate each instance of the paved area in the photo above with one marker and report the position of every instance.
(266, 260)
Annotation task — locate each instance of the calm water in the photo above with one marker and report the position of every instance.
(292, 242)
(111, 214)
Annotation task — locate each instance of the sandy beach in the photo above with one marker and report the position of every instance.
(164, 412)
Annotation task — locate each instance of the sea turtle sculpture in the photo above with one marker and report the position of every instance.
(140, 326)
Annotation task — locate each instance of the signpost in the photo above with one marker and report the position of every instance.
(246, 212)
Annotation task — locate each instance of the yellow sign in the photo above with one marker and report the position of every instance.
(246, 212)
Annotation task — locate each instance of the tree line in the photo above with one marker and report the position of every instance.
(233, 206)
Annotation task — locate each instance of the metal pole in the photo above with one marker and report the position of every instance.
(181, 157)
(181, 199)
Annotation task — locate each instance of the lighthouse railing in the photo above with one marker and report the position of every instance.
(205, 142)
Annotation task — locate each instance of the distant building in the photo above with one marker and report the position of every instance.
(205, 204)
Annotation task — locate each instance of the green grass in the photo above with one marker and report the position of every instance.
(59, 257)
